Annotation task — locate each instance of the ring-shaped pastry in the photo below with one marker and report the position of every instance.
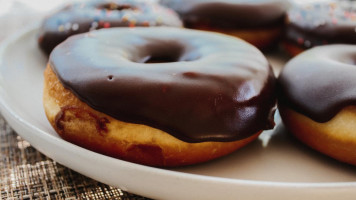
(259, 22)
(317, 100)
(168, 85)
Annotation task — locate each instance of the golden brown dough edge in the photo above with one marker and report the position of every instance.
(335, 138)
(78, 123)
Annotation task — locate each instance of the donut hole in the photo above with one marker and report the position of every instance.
(164, 52)
(115, 6)
(160, 59)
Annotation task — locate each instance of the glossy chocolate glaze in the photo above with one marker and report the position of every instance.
(322, 23)
(213, 87)
(229, 14)
(96, 14)
(320, 82)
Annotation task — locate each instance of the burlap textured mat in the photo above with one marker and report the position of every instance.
(25, 173)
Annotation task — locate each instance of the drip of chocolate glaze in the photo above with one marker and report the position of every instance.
(213, 87)
(320, 82)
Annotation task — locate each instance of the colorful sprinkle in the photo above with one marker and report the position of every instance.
(131, 25)
(61, 28)
(125, 18)
(300, 41)
(94, 26)
(106, 25)
(75, 27)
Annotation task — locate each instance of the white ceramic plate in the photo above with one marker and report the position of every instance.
(273, 167)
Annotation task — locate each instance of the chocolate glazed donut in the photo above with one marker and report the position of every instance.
(196, 86)
(317, 99)
(320, 23)
(97, 14)
(258, 22)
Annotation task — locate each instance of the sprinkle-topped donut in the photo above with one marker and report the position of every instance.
(97, 14)
(258, 22)
(320, 23)
(317, 99)
(195, 86)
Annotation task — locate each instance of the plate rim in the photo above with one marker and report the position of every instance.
(14, 119)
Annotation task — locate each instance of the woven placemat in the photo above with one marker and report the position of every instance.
(25, 173)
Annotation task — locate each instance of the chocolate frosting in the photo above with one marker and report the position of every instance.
(230, 14)
(322, 23)
(206, 87)
(97, 14)
(320, 82)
